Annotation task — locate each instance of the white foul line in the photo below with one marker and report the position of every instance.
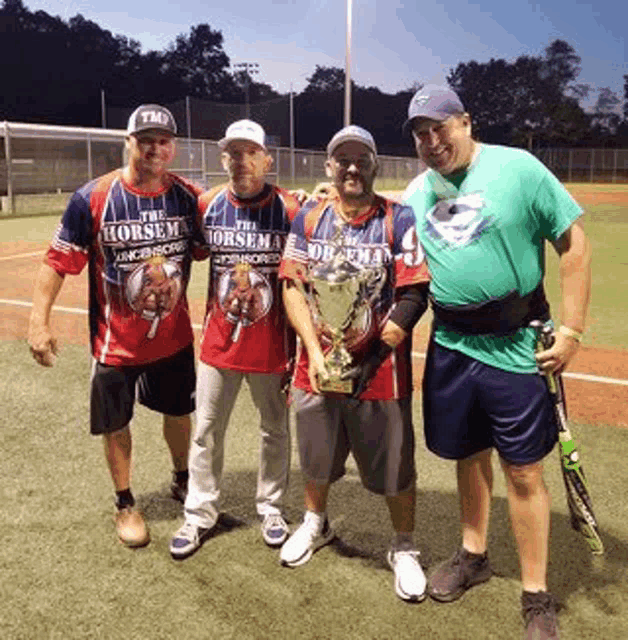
(82, 312)
(576, 376)
(22, 255)
(415, 354)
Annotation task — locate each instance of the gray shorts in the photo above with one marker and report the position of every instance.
(379, 433)
(167, 386)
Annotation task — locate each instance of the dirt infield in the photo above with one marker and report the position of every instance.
(589, 402)
(584, 193)
(599, 194)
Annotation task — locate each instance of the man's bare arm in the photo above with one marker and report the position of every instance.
(574, 250)
(300, 318)
(43, 344)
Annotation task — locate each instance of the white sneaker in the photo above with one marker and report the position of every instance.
(410, 582)
(274, 529)
(304, 542)
(188, 539)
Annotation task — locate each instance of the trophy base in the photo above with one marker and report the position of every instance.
(335, 385)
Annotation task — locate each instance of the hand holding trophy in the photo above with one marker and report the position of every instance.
(340, 294)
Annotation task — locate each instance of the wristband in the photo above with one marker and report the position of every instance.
(570, 333)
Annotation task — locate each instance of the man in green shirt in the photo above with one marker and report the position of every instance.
(483, 215)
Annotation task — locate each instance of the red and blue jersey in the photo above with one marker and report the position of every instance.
(245, 326)
(139, 248)
(382, 237)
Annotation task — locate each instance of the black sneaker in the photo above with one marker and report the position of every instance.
(454, 576)
(539, 616)
(179, 487)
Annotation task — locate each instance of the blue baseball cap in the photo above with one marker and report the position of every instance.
(352, 133)
(435, 102)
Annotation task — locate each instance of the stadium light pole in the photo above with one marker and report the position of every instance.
(292, 167)
(247, 69)
(348, 65)
(103, 109)
(188, 120)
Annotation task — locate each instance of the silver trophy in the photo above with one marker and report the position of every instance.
(340, 298)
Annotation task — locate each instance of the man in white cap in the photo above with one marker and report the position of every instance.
(484, 213)
(245, 337)
(136, 228)
(362, 231)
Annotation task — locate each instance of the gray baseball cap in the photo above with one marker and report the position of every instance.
(151, 116)
(435, 102)
(351, 133)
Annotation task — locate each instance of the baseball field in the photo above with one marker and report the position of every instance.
(64, 575)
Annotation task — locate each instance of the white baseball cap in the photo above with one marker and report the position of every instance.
(151, 116)
(244, 130)
(352, 133)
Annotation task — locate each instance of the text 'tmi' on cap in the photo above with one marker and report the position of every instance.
(151, 116)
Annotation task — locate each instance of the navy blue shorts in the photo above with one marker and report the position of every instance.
(167, 386)
(469, 406)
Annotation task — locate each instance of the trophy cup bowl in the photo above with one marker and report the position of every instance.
(339, 291)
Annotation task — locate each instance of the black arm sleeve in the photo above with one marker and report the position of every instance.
(411, 305)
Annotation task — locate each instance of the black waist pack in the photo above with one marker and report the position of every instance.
(499, 316)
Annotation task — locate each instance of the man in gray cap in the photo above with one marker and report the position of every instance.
(356, 230)
(483, 215)
(136, 228)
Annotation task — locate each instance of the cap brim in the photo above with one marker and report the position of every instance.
(426, 116)
(222, 144)
(166, 131)
(350, 139)
(405, 127)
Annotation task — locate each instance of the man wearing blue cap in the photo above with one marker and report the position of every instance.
(483, 215)
(355, 230)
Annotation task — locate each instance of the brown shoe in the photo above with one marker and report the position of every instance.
(131, 528)
(454, 576)
(539, 616)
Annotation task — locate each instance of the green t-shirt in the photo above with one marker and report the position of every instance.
(483, 233)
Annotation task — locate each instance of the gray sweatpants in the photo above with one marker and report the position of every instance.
(216, 392)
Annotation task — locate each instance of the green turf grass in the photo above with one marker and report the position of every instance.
(607, 228)
(65, 575)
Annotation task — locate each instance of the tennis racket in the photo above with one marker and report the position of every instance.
(579, 500)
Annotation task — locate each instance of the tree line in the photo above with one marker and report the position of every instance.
(55, 71)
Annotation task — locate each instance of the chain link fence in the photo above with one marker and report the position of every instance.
(587, 165)
(51, 161)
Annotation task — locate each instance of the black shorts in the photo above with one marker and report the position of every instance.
(166, 386)
(469, 406)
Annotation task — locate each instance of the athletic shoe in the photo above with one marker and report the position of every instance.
(178, 488)
(131, 528)
(300, 546)
(274, 530)
(188, 539)
(454, 576)
(539, 615)
(410, 580)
